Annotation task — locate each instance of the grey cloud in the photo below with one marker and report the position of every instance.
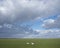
(8, 30)
(57, 22)
(27, 10)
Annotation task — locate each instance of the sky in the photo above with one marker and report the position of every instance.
(29, 18)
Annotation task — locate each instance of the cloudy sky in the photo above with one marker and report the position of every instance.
(29, 18)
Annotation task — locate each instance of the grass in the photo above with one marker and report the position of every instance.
(21, 43)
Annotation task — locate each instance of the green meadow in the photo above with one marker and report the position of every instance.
(22, 43)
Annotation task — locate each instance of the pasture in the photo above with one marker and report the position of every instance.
(29, 43)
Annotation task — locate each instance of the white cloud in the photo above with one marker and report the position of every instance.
(48, 23)
(51, 23)
(0, 26)
(8, 25)
(45, 34)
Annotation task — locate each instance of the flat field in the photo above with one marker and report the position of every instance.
(27, 43)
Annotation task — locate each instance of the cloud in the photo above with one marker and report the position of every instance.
(12, 31)
(52, 23)
(49, 23)
(14, 12)
(8, 30)
(0, 26)
(26, 10)
(45, 34)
